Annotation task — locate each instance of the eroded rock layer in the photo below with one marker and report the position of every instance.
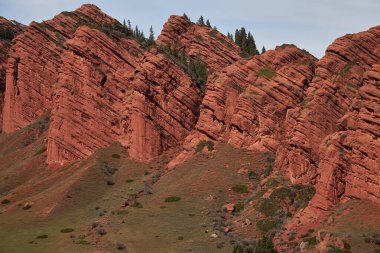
(34, 63)
(92, 83)
(8, 30)
(333, 141)
(246, 103)
(213, 48)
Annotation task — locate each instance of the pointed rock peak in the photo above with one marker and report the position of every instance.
(88, 7)
(174, 27)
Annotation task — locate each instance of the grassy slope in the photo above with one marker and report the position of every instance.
(69, 197)
(77, 195)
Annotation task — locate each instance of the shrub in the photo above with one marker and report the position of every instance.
(117, 156)
(6, 33)
(252, 175)
(5, 201)
(108, 169)
(346, 245)
(240, 188)
(266, 225)
(67, 230)
(42, 236)
(40, 151)
(110, 182)
(272, 183)
(129, 181)
(265, 245)
(137, 205)
(172, 199)
(268, 170)
(121, 212)
(202, 144)
(120, 246)
(82, 242)
(102, 231)
(238, 208)
(267, 72)
(267, 207)
(312, 241)
(180, 238)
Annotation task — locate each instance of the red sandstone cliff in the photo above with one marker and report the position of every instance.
(34, 63)
(101, 87)
(213, 48)
(9, 29)
(320, 117)
(246, 103)
(334, 138)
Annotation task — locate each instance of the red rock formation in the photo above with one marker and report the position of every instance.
(9, 29)
(246, 103)
(335, 129)
(165, 107)
(99, 91)
(104, 93)
(34, 62)
(214, 48)
(92, 84)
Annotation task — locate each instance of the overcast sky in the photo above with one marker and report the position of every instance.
(310, 24)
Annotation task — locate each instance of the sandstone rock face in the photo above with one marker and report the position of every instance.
(92, 83)
(321, 118)
(164, 107)
(334, 139)
(213, 48)
(9, 29)
(34, 62)
(246, 103)
(101, 87)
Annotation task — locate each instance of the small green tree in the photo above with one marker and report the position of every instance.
(208, 23)
(263, 50)
(151, 41)
(201, 21)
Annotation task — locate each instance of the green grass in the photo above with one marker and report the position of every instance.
(137, 205)
(240, 188)
(67, 230)
(172, 199)
(122, 212)
(40, 151)
(266, 72)
(238, 208)
(42, 236)
(252, 175)
(312, 241)
(237, 88)
(199, 38)
(200, 146)
(266, 225)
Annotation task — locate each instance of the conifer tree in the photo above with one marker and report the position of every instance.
(151, 41)
(263, 50)
(201, 21)
(208, 23)
(124, 26)
(186, 17)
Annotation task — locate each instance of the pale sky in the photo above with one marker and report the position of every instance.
(309, 24)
